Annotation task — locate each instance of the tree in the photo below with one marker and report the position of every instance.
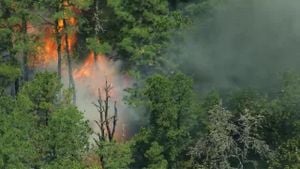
(61, 15)
(16, 43)
(115, 155)
(107, 148)
(66, 136)
(138, 32)
(64, 164)
(287, 155)
(16, 131)
(107, 125)
(9, 73)
(43, 92)
(229, 142)
(169, 108)
(61, 133)
(281, 129)
(155, 157)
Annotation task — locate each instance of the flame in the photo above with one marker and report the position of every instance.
(60, 24)
(91, 63)
(85, 70)
(89, 76)
(96, 69)
(72, 21)
(47, 53)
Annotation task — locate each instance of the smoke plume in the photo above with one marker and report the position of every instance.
(243, 43)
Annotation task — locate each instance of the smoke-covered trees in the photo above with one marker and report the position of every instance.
(249, 130)
(282, 129)
(180, 126)
(230, 141)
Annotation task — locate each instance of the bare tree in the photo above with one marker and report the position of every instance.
(106, 123)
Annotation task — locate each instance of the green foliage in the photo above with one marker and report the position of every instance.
(43, 91)
(67, 134)
(156, 158)
(115, 155)
(144, 30)
(99, 48)
(8, 72)
(16, 131)
(15, 16)
(282, 113)
(16, 148)
(169, 104)
(39, 128)
(287, 155)
(64, 163)
(62, 141)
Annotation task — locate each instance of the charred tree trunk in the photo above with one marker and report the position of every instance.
(114, 120)
(106, 124)
(25, 52)
(70, 69)
(58, 37)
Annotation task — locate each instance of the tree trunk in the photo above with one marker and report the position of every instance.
(70, 69)
(25, 53)
(58, 43)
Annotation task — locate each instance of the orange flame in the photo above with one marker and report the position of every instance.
(91, 75)
(96, 69)
(47, 53)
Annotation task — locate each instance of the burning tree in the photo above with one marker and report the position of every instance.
(60, 22)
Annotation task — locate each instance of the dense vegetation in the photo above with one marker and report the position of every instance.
(181, 126)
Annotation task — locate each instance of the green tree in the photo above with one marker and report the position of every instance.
(137, 31)
(282, 127)
(64, 164)
(65, 137)
(61, 133)
(43, 91)
(16, 17)
(115, 155)
(169, 106)
(155, 157)
(16, 130)
(9, 73)
(287, 155)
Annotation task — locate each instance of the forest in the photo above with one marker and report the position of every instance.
(149, 84)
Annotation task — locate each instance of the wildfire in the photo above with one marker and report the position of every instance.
(47, 52)
(89, 76)
(95, 70)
